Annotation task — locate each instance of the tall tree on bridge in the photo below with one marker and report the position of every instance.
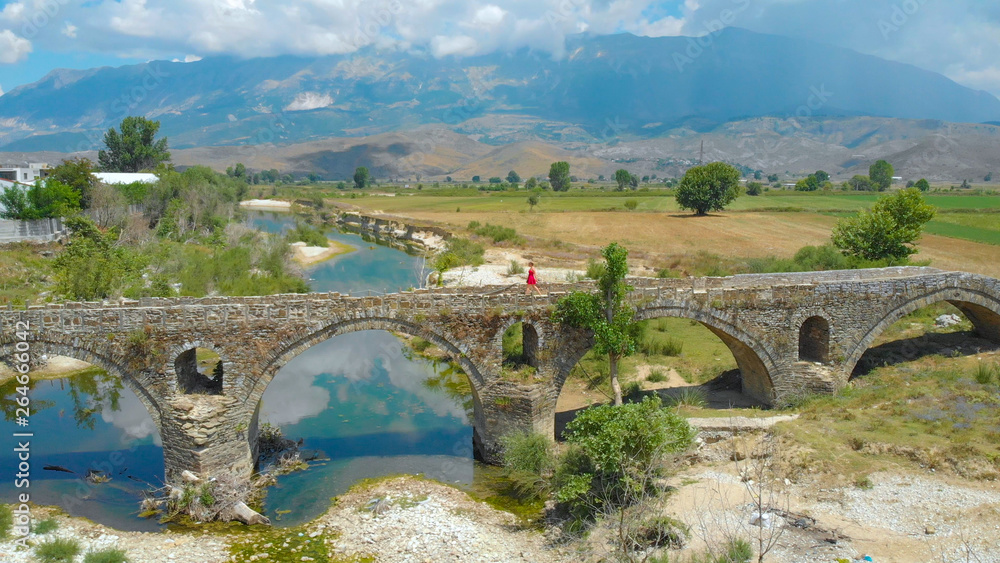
(606, 313)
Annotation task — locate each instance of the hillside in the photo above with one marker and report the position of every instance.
(608, 89)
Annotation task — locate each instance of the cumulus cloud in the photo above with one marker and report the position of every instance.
(69, 30)
(13, 48)
(309, 100)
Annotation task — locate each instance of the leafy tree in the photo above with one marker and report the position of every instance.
(645, 179)
(633, 181)
(135, 148)
(613, 450)
(754, 188)
(708, 188)
(93, 266)
(513, 178)
(885, 232)
(559, 176)
(808, 184)
(605, 313)
(362, 178)
(44, 199)
(447, 179)
(475, 179)
(772, 178)
(77, 174)
(881, 174)
(821, 176)
(988, 177)
(860, 183)
(922, 185)
(533, 200)
(757, 175)
(623, 178)
(496, 180)
(531, 183)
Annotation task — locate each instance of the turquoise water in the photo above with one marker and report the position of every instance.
(87, 422)
(362, 404)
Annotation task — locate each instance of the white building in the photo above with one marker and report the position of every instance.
(122, 178)
(24, 174)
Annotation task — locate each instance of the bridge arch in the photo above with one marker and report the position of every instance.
(982, 309)
(755, 361)
(532, 340)
(181, 370)
(814, 340)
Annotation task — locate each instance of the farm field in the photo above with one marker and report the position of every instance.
(964, 235)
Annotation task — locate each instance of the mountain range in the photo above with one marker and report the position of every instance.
(763, 101)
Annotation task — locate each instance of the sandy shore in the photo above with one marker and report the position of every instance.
(310, 255)
(266, 204)
(496, 272)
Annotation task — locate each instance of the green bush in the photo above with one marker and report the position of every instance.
(689, 397)
(515, 268)
(667, 273)
(656, 376)
(106, 556)
(529, 452)
(57, 550)
(631, 204)
(595, 269)
(419, 344)
(46, 526)
(632, 392)
(985, 373)
(498, 233)
(473, 225)
(734, 551)
(465, 251)
(613, 450)
(313, 236)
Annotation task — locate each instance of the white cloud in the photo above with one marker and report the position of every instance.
(443, 46)
(489, 15)
(13, 49)
(12, 12)
(309, 100)
(69, 30)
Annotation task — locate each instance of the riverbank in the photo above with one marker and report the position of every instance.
(311, 255)
(267, 204)
(56, 367)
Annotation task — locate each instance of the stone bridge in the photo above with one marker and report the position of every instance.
(789, 333)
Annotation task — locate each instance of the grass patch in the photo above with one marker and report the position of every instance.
(6, 521)
(57, 550)
(106, 556)
(46, 526)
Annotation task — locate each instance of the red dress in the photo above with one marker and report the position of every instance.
(531, 277)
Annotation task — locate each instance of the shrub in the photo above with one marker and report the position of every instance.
(465, 251)
(631, 204)
(529, 452)
(108, 555)
(57, 550)
(46, 526)
(632, 392)
(498, 233)
(612, 448)
(302, 232)
(473, 225)
(667, 273)
(655, 347)
(595, 269)
(656, 376)
(689, 397)
(754, 188)
(985, 373)
(515, 268)
(419, 344)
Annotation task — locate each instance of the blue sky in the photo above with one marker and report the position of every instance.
(958, 38)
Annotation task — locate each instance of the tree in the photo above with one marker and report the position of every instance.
(860, 183)
(475, 179)
(513, 178)
(808, 184)
(757, 175)
(447, 179)
(531, 183)
(533, 200)
(633, 181)
(885, 232)
(559, 176)
(135, 148)
(821, 176)
(623, 178)
(362, 178)
(881, 174)
(988, 177)
(708, 188)
(922, 185)
(79, 175)
(44, 199)
(772, 178)
(754, 188)
(605, 313)
(496, 180)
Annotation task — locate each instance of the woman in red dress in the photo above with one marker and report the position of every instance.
(532, 281)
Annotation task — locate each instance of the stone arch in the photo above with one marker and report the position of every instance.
(754, 360)
(982, 309)
(182, 373)
(814, 340)
(269, 368)
(531, 340)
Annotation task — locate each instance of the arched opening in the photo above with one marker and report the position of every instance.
(925, 327)
(95, 429)
(199, 372)
(682, 359)
(520, 346)
(367, 403)
(814, 340)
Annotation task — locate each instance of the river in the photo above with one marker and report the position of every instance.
(363, 404)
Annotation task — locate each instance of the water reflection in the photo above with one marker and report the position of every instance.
(89, 421)
(372, 409)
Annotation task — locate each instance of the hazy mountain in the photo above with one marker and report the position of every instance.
(608, 89)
